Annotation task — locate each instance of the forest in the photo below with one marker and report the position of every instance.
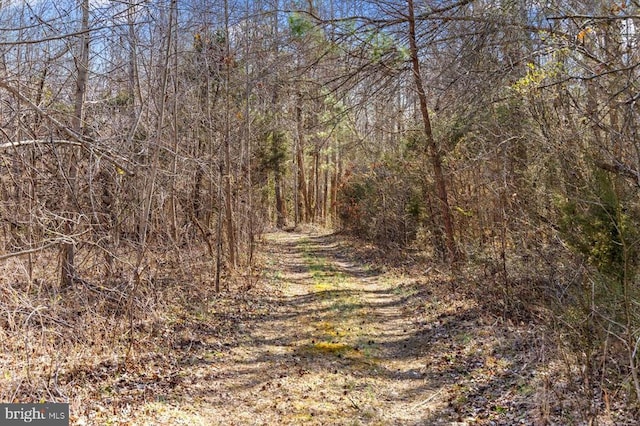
(192, 186)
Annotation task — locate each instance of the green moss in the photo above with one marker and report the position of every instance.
(330, 348)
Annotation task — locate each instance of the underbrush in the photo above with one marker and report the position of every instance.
(110, 340)
(582, 373)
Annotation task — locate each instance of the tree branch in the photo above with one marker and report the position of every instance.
(15, 144)
(32, 250)
(593, 17)
(83, 141)
(620, 169)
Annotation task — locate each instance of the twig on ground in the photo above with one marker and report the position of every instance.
(356, 406)
(426, 401)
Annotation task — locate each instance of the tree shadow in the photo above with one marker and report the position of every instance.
(438, 371)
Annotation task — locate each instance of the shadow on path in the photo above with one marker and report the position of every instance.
(338, 343)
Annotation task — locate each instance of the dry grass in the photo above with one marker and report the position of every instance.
(106, 345)
(329, 333)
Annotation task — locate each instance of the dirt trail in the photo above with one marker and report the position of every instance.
(336, 352)
(339, 343)
(335, 349)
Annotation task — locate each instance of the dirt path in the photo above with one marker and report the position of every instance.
(335, 351)
(339, 343)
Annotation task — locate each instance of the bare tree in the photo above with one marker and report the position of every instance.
(67, 254)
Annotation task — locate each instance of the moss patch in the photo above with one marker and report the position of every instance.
(331, 348)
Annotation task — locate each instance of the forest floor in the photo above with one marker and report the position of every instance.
(329, 331)
(328, 338)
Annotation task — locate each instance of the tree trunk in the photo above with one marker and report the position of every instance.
(431, 147)
(219, 232)
(325, 189)
(280, 210)
(333, 205)
(316, 185)
(302, 180)
(68, 267)
(228, 194)
(173, 202)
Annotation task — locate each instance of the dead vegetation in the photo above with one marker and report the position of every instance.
(331, 332)
(105, 345)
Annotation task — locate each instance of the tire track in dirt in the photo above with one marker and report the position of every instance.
(324, 339)
(335, 348)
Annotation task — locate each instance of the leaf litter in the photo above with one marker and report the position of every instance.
(332, 333)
